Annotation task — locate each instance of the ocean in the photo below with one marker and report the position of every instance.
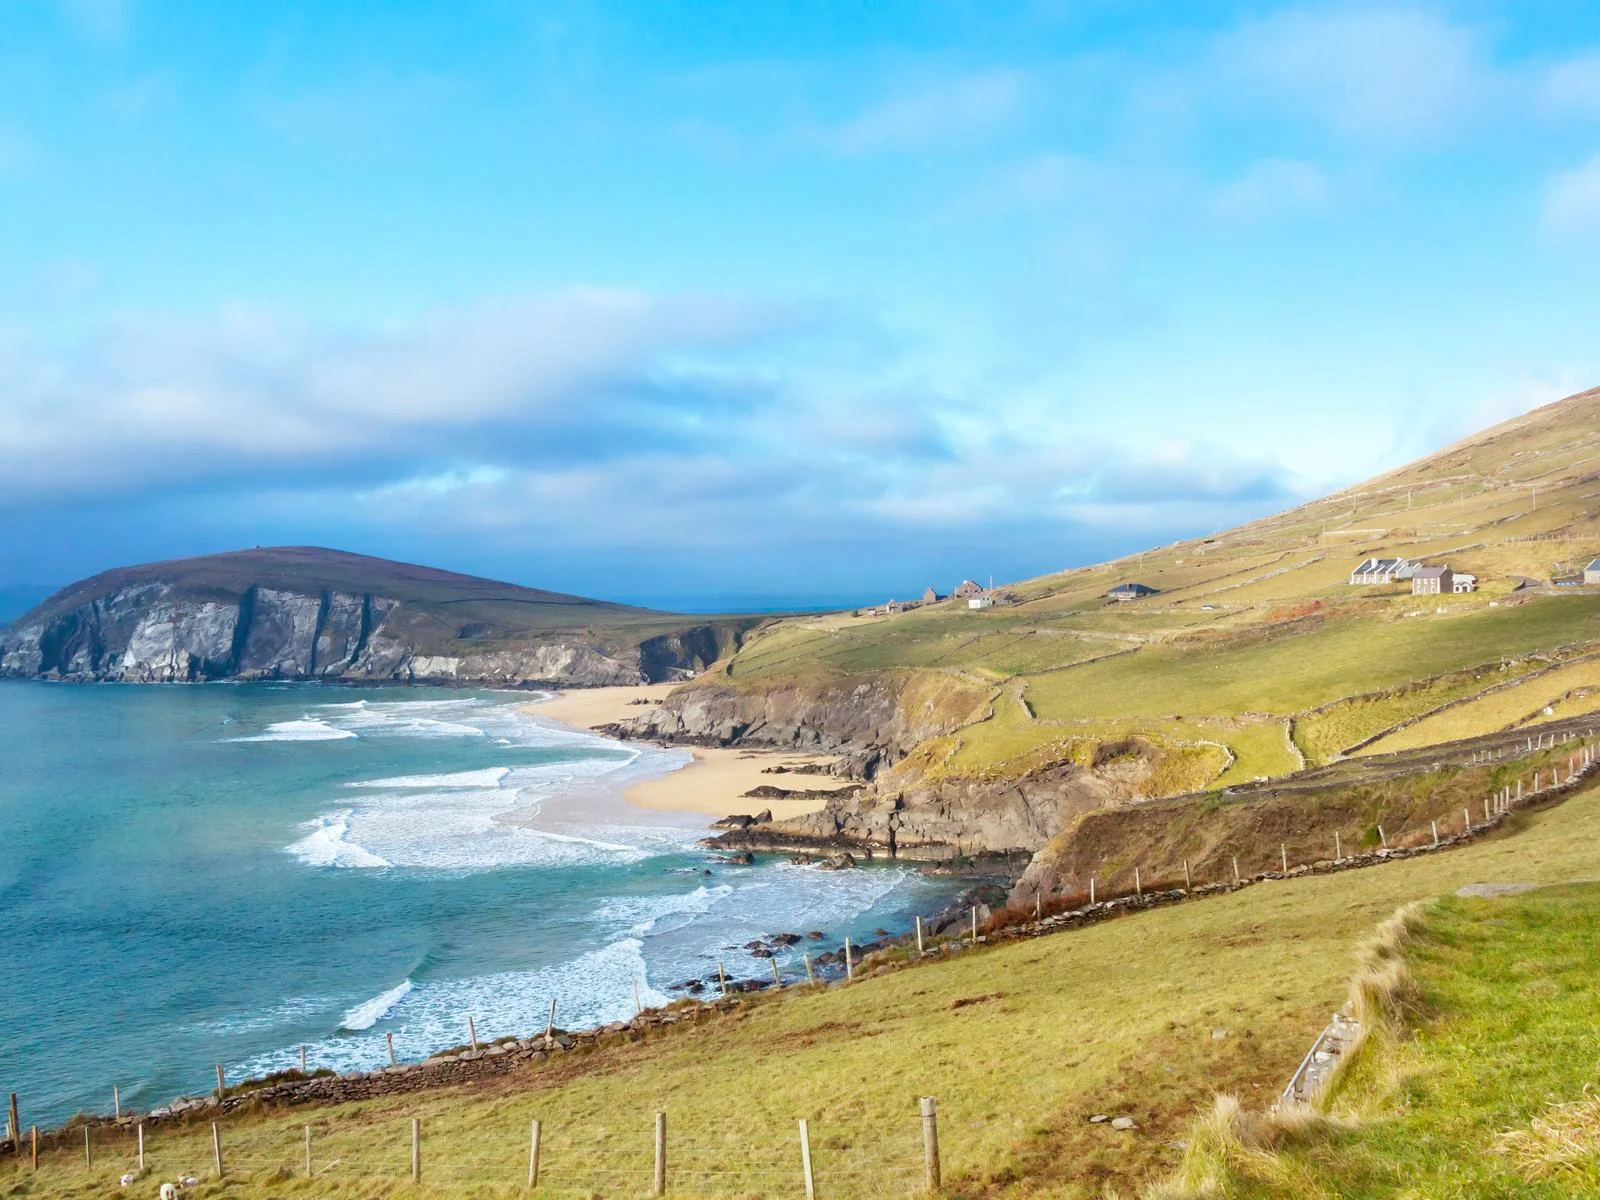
(222, 873)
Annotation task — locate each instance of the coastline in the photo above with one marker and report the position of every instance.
(713, 781)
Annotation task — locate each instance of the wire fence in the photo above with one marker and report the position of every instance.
(691, 1154)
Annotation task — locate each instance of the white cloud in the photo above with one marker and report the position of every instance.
(1381, 73)
(1572, 199)
(1573, 85)
(1270, 187)
(929, 114)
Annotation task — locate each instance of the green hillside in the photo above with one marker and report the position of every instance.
(1255, 638)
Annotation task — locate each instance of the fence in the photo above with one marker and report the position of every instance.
(694, 1154)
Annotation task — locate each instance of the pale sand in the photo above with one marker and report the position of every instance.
(715, 781)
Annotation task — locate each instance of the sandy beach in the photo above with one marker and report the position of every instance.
(714, 782)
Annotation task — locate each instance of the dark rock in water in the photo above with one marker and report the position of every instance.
(816, 935)
(880, 933)
(827, 956)
(755, 944)
(801, 860)
(843, 861)
(784, 939)
(761, 952)
(734, 821)
(736, 860)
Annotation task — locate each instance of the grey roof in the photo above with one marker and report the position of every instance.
(1594, 566)
(1142, 589)
(1432, 572)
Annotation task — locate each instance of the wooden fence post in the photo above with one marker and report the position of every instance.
(1188, 879)
(919, 935)
(1466, 820)
(974, 922)
(533, 1155)
(416, 1150)
(303, 1070)
(811, 976)
(638, 1005)
(849, 966)
(1138, 887)
(658, 1181)
(1038, 905)
(777, 980)
(930, 1142)
(116, 1101)
(141, 1145)
(389, 1037)
(1283, 850)
(1091, 889)
(1236, 870)
(35, 1147)
(15, 1124)
(308, 1152)
(1383, 838)
(722, 977)
(550, 1024)
(472, 1032)
(216, 1146)
(1338, 847)
(88, 1158)
(1435, 826)
(805, 1161)
(220, 1084)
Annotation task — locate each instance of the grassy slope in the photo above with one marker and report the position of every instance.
(1504, 1039)
(1115, 1018)
(1261, 619)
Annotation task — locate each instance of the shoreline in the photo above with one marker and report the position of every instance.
(713, 781)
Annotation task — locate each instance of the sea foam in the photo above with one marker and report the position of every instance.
(306, 729)
(326, 845)
(370, 1012)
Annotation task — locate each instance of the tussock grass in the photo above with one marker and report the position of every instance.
(1561, 1142)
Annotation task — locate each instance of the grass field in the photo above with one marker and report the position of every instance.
(1019, 1043)
(1489, 1089)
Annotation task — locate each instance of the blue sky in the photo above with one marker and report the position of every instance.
(709, 304)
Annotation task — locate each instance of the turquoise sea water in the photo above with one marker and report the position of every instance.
(193, 875)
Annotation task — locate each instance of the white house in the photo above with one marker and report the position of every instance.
(1591, 573)
(1462, 582)
(1382, 570)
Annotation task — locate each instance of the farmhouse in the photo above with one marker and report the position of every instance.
(1591, 573)
(1382, 570)
(967, 589)
(931, 597)
(1464, 583)
(1431, 581)
(1130, 591)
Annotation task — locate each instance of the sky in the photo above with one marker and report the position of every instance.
(715, 305)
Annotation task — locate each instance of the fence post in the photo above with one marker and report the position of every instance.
(849, 967)
(930, 1142)
(1283, 850)
(389, 1037)
(1188, 879)
(658, 1182)
(811, 976)
(974, 922)
(35, 1147)
(1382, 837)
(116, 1101)
(220, 1084)
(15, 1122)
(1338, 846)
(88, 1157)
(472, 1032)
(1435, 826)
(308, 1152)
(141, 1145)
(777, 980)
(1138, 887)
(216, 1146)
(533, 1155)
(1091, 889)
(550, 1025)
(805, 1160)
(638, 1006)
(303, 1070)
(1236, 870)
(1038, 905)
(416, 1150)
(919, 935)
(1466, 820)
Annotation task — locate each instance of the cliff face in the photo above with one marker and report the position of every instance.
(156, 632)
(872, 722)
